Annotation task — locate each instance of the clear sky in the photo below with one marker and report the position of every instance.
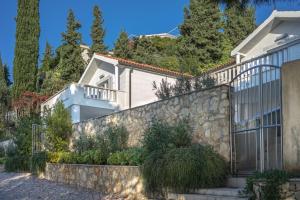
(135, 16)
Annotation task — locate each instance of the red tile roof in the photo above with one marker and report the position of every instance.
(146, 66)
(161, 70)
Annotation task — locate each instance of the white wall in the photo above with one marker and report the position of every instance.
(289, 27)
(142, 86)
(103, 69)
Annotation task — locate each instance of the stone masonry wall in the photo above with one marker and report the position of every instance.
(208, 112)
(123, 181)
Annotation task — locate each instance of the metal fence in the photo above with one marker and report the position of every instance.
(255, 98)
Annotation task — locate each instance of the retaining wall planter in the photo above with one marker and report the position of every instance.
(123, 181)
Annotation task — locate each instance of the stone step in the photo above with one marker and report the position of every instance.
(203, 197)
(211, 194)
(220, 191)
(236, 182)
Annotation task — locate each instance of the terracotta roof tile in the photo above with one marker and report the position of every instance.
(146, 66)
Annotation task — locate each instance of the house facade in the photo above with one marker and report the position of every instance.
(259, 141)
(263, 135)
(108, 85)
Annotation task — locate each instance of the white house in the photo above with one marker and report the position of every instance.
(275, 41)
(256, 92)
(110, 84)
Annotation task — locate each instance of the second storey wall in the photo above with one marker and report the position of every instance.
(142, 91)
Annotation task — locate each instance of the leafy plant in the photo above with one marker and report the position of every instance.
(84, 143)
(173, 162)
(183, 85)
(2, 161)
(38, 162)
(116, 137)
(271, 182)
(162, 136)
(2, 151)
(184, 169)
(59, 128)
(132, 156)
(17, 164)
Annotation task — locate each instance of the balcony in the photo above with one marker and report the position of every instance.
(91, 92)
(85, 101)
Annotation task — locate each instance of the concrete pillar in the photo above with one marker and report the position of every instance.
(291, 115)
(75, 113)
(116, 77)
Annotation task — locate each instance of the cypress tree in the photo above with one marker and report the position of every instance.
(71, 64)
(47, 65)
(27, 46)
(239, 22)
(4, 93)
(122, 48)
(47, 62)
(97, 33)
(200, 42)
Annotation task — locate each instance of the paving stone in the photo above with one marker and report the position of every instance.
(17, 186)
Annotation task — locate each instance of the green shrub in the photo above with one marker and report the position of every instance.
(2, 152)
(38, 162)
(117, 137)
(87, 157)
(59, 128)
(2, 161)
(183, 169)
(272, 179)
(84, 143)
(132, 157)
(162, 136)
(17, 163)
(67, 157)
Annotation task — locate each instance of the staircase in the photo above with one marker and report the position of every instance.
(232, 191)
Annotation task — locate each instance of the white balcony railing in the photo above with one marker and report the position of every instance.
(97, 93)
(277, 58)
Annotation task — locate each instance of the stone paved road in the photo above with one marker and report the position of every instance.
(22, 186)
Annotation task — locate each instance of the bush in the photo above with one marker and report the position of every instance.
(132, 157)
(183, 169)
(84, 143)
(87, 157)
(2, 152)
(38, 162)
(17, 163)
(272, 179)
(59, 128)
(2, 161)
(162, 136)
(116, 137)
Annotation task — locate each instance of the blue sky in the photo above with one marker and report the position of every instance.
(135, 16)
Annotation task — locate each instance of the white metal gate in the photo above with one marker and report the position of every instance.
(256, 130)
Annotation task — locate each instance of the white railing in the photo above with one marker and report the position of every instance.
(277, 58)
(92, 92)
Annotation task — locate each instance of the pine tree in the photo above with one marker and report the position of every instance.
(47, 65)
(200, 43)
(122, 48)
(47, 62)
(4, 94)
(71, 65)
(27, 46)
(97, 33)
(239, 22)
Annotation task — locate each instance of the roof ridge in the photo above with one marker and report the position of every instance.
(149, 66)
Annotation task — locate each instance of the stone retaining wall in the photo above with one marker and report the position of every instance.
(208, 112)
(124, 181)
